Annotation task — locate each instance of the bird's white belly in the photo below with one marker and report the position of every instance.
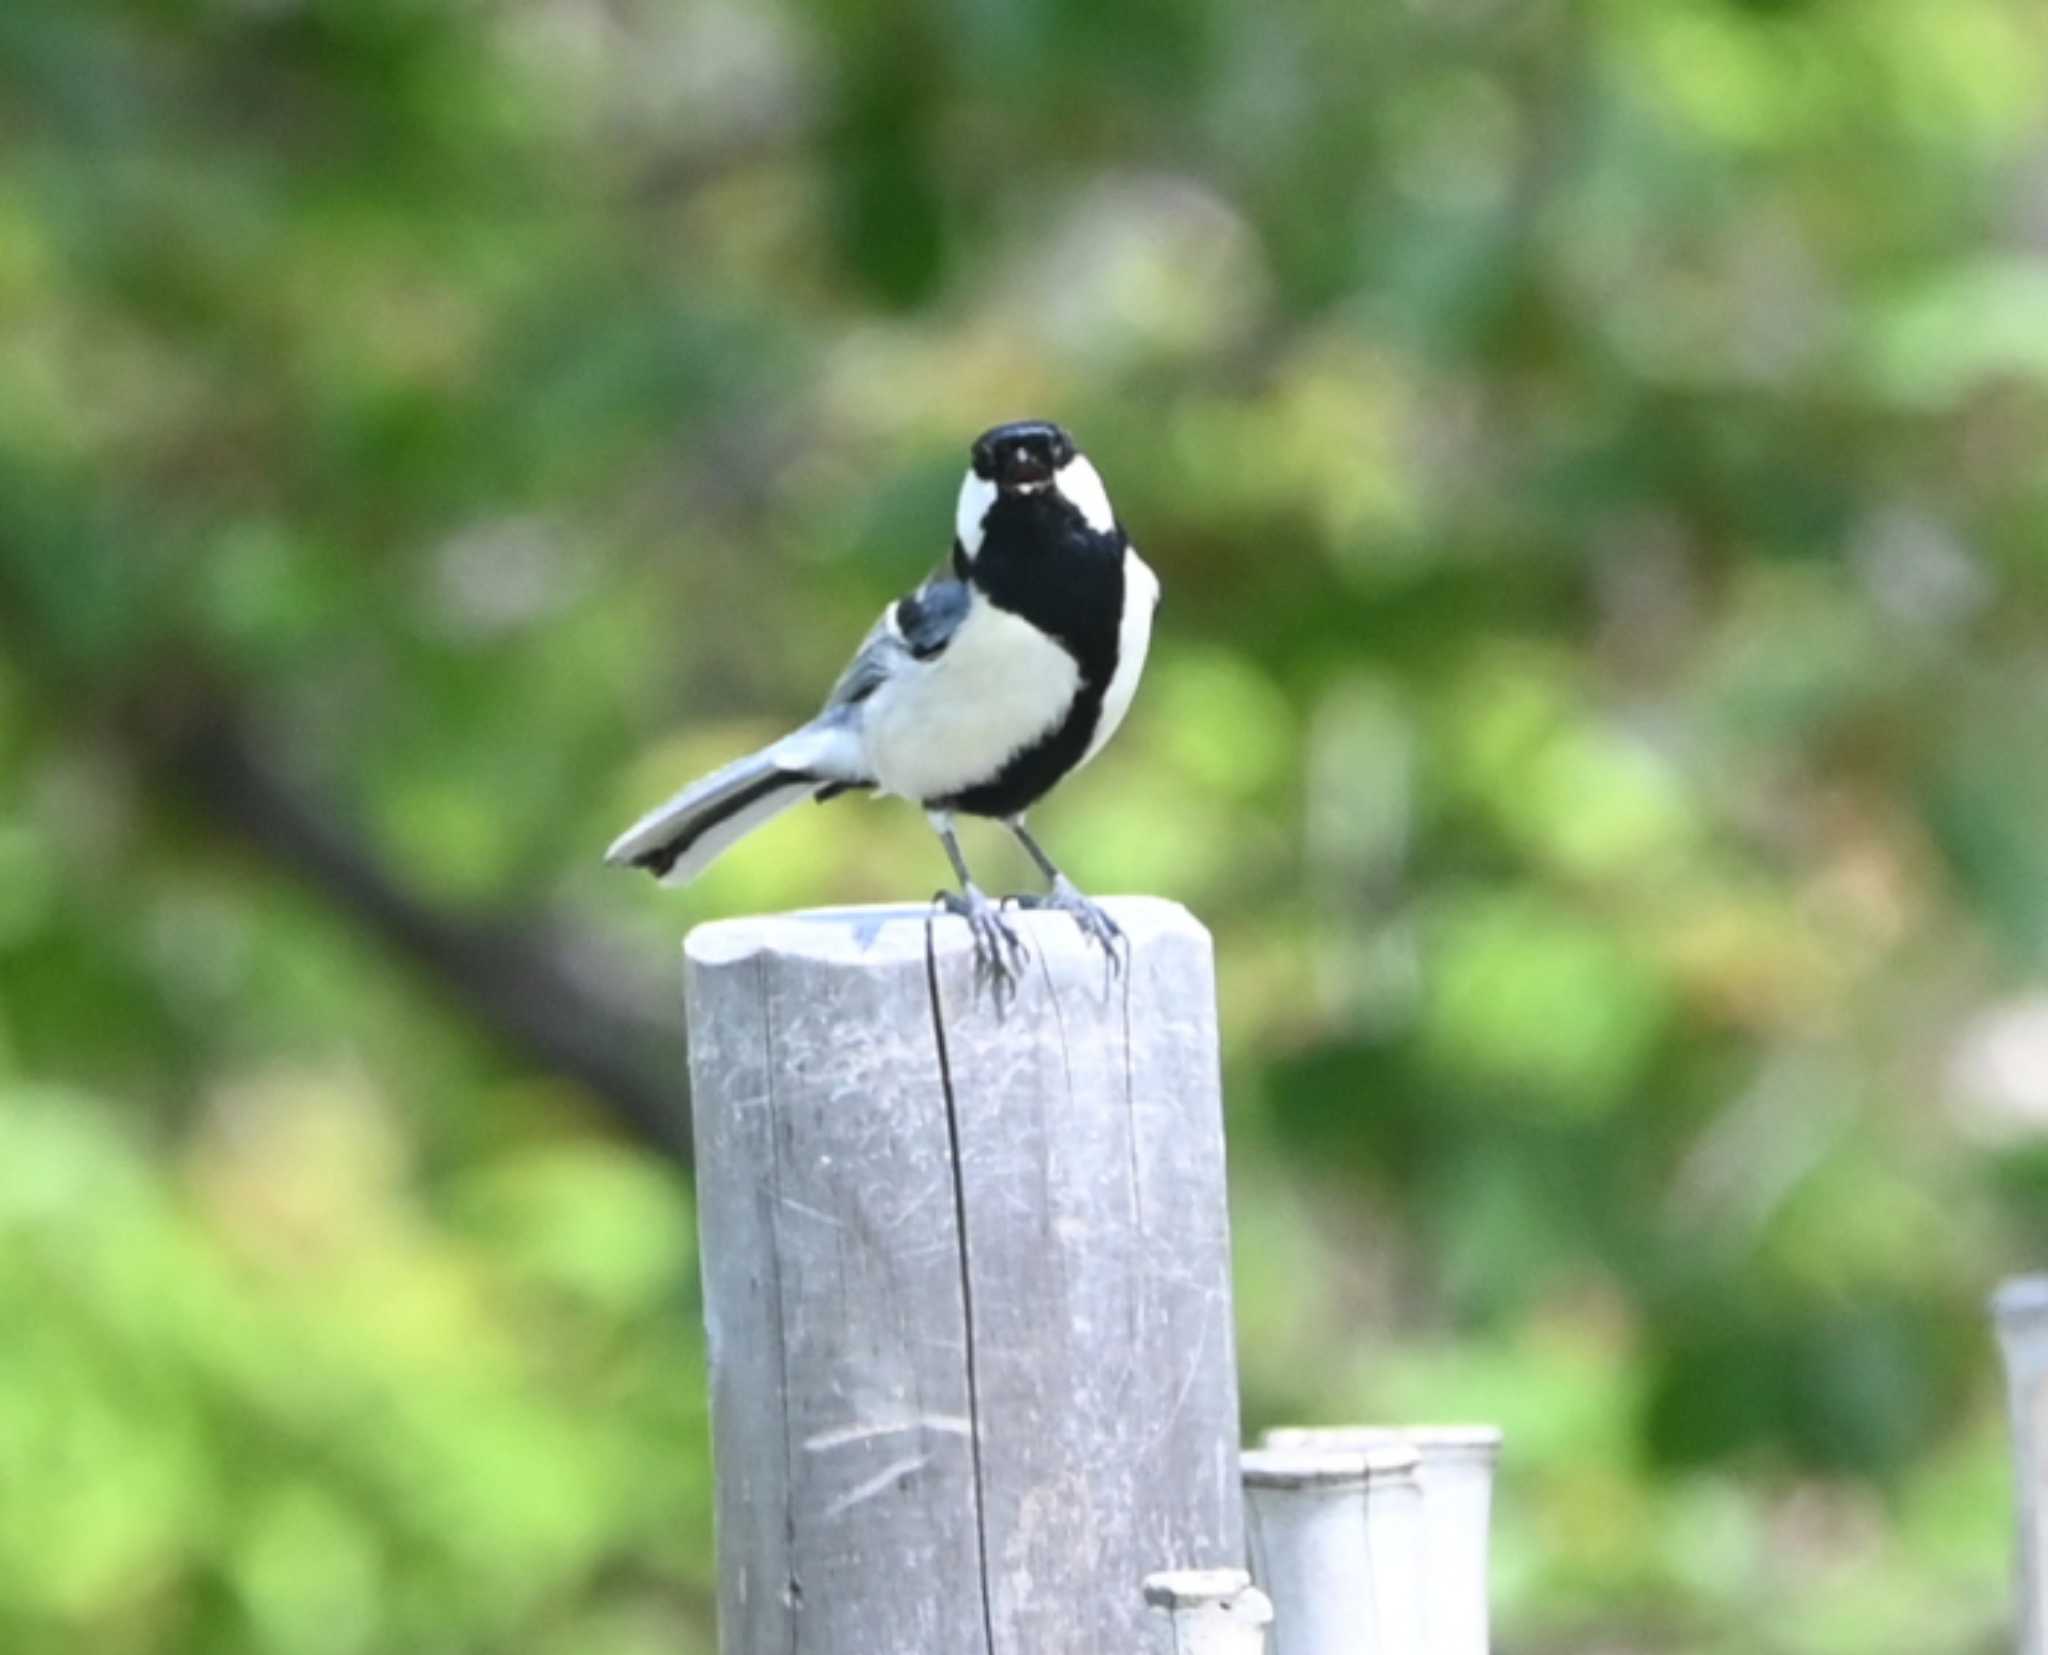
(941, 726)
(1134, 638)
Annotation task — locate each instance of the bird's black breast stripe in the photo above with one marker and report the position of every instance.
(1041, 562)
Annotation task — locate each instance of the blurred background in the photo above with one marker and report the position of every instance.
(1597, 455)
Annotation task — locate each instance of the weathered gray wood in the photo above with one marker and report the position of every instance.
(1210, 1611)
(1336, 1540)
(2020, 1310)
(1309, 1550)
(967, 1280)
(1457, 1502)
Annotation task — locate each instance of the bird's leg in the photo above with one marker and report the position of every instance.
(999, 953)
(1093, 919)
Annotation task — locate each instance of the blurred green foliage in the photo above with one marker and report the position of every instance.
(1597, 454)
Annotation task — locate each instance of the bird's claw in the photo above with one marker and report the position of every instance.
(1089, 915)
(999, 952)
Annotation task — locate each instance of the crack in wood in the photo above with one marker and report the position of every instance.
(931, 968)
(792, 1590)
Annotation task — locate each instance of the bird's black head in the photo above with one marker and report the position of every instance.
(1023, 456)
(1029, 475)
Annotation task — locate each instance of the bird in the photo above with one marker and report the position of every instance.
(1008, 669)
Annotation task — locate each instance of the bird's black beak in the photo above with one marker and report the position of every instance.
(1023, 468)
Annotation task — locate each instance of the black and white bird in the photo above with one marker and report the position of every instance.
(1004, 672)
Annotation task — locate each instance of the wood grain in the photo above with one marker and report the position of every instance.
(966, 1279)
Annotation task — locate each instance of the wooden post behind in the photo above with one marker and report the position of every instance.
(966, 1282)
(2019, 1310)
(1211, 1611)
(1457, 1466)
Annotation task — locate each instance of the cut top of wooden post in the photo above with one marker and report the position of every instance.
(1316, 1469)
(892, 933)
(1213, 1611)
(1435, 1443)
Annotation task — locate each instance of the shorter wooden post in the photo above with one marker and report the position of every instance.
(1393, 1540)
(1457, 1505)
(1211, 1611)
(2020, 1310)
(1313, 1527)
(966, 1281)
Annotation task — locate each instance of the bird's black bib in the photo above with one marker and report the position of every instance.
(1041, 561)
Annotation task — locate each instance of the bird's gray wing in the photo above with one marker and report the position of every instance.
(913, 628)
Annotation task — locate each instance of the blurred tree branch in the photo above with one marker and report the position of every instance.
(510, 976)
(76, 615)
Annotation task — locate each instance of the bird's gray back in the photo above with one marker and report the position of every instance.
(914, 628)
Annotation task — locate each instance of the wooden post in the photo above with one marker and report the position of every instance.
(2020, 1310)
(1211, 1611)
(966, 1279)
(1336, 1542)
(1457, 1503)
(1394, 1539)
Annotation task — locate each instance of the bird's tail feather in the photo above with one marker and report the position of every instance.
(678, 840)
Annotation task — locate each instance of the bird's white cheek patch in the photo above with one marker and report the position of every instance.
(977, 494)
(1081, 483)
